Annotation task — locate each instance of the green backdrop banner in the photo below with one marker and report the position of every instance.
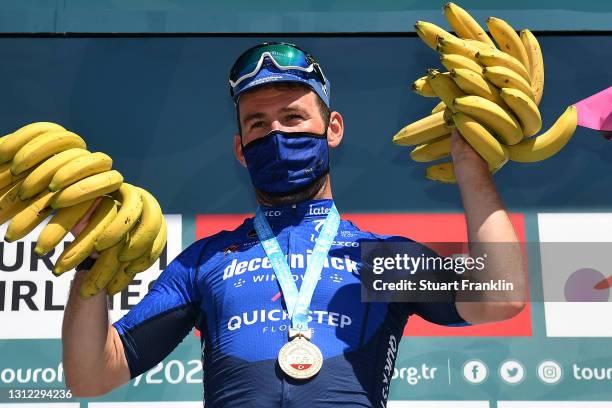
(160, 108)
(298, 16)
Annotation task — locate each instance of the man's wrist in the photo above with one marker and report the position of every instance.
(470, 172)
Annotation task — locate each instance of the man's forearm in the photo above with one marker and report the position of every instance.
(487, 219)
(84, 334)
(490, 232)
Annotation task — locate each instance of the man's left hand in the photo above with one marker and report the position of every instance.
(467, 162)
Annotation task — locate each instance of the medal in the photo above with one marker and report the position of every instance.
(300, 359)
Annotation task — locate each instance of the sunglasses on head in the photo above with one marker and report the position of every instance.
(284, 56)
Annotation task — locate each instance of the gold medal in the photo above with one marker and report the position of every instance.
(300, 359)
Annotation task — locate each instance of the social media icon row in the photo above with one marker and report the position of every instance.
(512, 372)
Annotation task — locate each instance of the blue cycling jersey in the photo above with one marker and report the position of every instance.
(225, 286)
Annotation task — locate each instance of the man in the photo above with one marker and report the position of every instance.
(271, 342)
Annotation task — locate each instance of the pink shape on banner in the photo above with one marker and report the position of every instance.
(604, 284)
(595, 112)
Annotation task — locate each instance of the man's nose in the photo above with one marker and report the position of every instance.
(276, 125)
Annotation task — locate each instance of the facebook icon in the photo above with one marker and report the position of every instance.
(475, 372)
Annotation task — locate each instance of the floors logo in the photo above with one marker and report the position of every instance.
(32, 300)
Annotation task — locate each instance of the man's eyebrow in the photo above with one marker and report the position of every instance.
(297, 109)
(252, 116)
(287, 109)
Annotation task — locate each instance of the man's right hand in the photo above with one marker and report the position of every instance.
(80, 226)
(93, 356)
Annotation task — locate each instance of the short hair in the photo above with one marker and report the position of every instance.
(323, 109)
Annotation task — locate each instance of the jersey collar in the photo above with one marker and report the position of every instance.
(318, 208)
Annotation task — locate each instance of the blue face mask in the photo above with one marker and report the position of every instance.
(285, 162)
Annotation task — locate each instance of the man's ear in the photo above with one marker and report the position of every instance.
(335, 129)
(238, 150)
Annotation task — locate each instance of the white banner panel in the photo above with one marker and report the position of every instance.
(32, 299)
(43, 405)
(438, 404)
(554, 404)
(572, 266)
(170, 404)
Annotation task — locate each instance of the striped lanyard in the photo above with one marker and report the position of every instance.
(298, 302)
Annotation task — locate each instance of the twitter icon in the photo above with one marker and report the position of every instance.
(512, 372)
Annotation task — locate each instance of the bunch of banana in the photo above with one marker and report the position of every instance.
(490, 93)
(46, 170)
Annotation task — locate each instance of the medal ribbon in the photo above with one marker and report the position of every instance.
(298, 302)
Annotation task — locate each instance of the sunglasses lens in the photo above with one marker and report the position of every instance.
(285, 55)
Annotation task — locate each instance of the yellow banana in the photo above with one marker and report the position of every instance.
(60, 225)
(439, 107)
(101, 273)
(503, 77)
(141, 238)
(38, 180)
(453, 61)
(431, 151)
(43, 147)
(441, 172)
(444, 87)
(79, 168)
(448, 118)
(507, 39)
(464, 24)
(458, 47)
(88, 188)
(472, 83)
(36, 211)
(494, 170)
(525, 110)
(498, 58)
(120, 280)
(445, 172)
(10, 144)
(422, 131)
(503, 124)
(548, 143)
(127, 216)
(7, 188)
(3, 138)
(83, 245)
(6, 177)
(10, 204)
(430, 33)
(479, 44)
(481, 140)
(536, 64)
(422, 87)
(147, 260)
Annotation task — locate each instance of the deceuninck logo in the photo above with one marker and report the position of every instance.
(295, 260)
(32, 299)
